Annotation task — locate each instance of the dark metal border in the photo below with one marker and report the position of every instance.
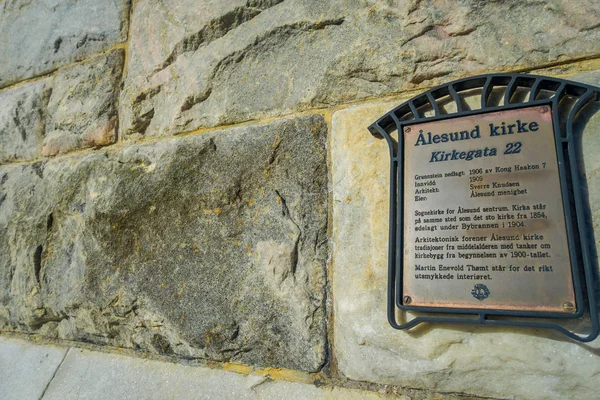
(540, 90)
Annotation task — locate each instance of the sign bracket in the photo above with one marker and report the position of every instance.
(571, 103)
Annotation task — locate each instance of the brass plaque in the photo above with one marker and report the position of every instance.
(484, 225)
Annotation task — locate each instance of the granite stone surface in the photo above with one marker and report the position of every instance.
(37, 37)
(76, 108)
(196, 64)
(211, 246)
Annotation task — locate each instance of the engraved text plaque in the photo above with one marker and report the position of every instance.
(483, 211)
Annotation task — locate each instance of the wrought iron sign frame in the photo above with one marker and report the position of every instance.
(519, 91)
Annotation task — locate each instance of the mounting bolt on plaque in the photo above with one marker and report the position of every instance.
(489, 220)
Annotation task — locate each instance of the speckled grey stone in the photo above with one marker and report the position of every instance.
(37, 37)
(82, 110)
(195, 64)
(74, 109)
(23, 121)
(209, 246)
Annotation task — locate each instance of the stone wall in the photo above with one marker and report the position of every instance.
(195, 180)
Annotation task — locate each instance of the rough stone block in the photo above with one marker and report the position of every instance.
(37, 37)
(22, 121)
(82, 110)
(197, 64)
(485, 361)
(75, 109)
(209, 246)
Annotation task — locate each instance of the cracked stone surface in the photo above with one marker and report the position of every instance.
(74, 109)
(211, 246)
(36, 37)
(26, 369)
(197, 64)
(483, 361)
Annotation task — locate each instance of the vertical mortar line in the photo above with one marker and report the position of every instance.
(125, 45)
(55, 372)
(329, 365)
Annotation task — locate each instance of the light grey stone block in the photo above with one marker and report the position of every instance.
(82, 110)
(74, 109)
(37, 37)
(194, 64)
(23, 121)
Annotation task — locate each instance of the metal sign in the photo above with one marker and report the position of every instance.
(487, 216)
(484, 223)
